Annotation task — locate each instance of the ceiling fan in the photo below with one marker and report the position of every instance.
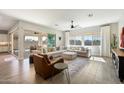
(73, 26)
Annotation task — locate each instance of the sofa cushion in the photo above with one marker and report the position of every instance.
(82, 52)
(82, 49)
(32, 47)
(45, 50)
(35, 51)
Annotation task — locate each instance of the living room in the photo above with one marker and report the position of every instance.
(80, 40)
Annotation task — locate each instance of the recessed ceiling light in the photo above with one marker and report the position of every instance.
(90, 15)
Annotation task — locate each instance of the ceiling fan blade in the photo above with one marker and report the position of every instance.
(76, 26)
(80, 27)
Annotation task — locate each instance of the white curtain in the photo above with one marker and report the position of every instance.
(67, 38)
(105, 41)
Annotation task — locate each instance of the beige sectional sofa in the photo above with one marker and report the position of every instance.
(81, 51)
(55, 54)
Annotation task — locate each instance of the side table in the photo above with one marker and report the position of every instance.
(63, 66)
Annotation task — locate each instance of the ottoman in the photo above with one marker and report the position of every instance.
(69, 55)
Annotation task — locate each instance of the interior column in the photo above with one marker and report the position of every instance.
(40, 42)
(11, 36)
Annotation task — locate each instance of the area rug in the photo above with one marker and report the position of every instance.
(76, 65)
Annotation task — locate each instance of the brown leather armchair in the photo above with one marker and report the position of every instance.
(44, 68)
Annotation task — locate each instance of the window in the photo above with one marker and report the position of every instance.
(31, 38)
(75, 40)
(90, 40)
(30, 41)
(44, 40)
(71, 42)
(96, 40)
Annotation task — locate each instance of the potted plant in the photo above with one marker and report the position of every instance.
(114, 43)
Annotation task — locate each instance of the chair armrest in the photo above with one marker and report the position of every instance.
(57, 60)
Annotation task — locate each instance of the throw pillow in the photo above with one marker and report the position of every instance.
(44, 50)
(57, 48)
(51, 57)
(82, 49)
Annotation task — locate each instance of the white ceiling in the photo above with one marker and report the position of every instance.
(61, 17)
(6, 22)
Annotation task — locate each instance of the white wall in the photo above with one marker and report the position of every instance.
(3, 38)
(85, 31)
